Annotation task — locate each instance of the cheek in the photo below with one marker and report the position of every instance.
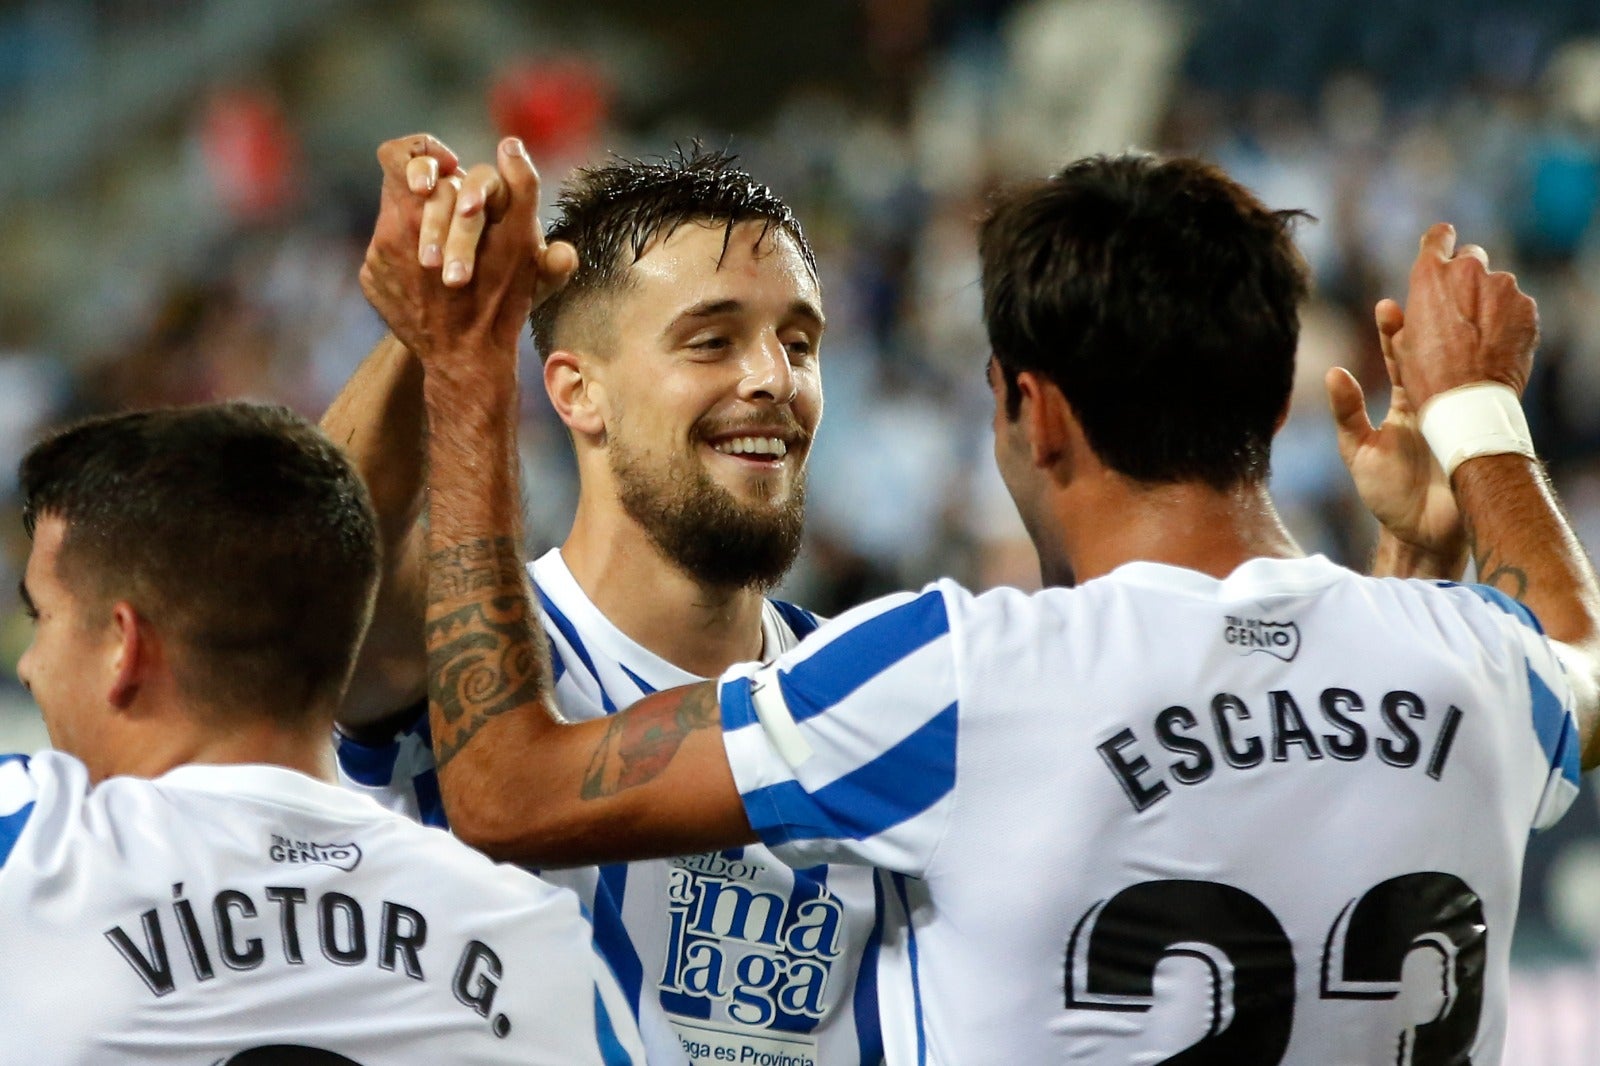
(808, 399)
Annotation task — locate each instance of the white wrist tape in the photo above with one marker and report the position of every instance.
(1481, 419)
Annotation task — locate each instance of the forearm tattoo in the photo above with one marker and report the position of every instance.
(1497, 572)
(483, 637)
(640, 743)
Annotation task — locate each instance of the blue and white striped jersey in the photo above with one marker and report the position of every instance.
(1278, 818)
(250, 914)
(750, 961)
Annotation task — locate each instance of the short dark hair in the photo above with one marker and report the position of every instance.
(612, 213)
(1162, 298)
(239, 529)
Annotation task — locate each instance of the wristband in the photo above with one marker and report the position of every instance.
(1484, 418)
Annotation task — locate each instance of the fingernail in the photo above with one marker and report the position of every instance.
(512, 146)
(455, 272)
(431, 256)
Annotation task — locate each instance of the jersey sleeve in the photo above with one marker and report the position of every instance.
(1550, 704)
(399, 774)
(844, 748)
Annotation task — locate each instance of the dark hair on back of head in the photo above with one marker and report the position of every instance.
(1162, 298)
(612, 213)
(239, 530)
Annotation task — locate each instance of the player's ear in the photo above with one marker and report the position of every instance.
(1053, 431)
(575, 393)
(134, 652)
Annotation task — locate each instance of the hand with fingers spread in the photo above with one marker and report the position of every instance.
(425, 250)
(1395, 473)
(1463, 324)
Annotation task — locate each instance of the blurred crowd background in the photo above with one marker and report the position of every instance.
(191, 185)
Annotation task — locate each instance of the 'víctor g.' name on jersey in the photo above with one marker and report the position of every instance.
(1231, 735)
(331, 924)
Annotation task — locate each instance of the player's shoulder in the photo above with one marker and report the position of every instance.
(45, 809)
(1481, 600)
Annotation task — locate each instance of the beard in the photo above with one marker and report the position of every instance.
(704, 529)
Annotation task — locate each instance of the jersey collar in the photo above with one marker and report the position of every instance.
(274, 784)
(1252, 579)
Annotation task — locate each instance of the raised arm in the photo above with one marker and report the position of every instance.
(516, 781)
(1466, 327)
(378, 419)
(429, 221)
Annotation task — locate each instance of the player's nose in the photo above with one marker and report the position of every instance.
(767, 373)
(23, 668)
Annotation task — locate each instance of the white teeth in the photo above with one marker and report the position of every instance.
(774, 446)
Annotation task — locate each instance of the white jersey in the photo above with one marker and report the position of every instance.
(1164, 818)
(751, 961)
(252, 916)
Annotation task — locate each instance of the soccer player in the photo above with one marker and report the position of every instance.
(1219, 802)
(182, 878)
(683, 358)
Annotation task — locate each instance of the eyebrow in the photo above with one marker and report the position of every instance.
(712, 308)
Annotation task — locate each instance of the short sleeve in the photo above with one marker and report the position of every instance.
(1550, 703)
(844, 748)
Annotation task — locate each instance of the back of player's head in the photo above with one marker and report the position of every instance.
(611, 214)
(1162, 298)
(239, 531)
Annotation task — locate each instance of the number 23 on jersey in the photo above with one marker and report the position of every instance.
(1116, 946)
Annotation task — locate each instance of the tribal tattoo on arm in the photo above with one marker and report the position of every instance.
(484, 639)
(640, 742)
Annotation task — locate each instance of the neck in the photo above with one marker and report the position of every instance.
(158, 743)
(1115, 521)
(700, 628)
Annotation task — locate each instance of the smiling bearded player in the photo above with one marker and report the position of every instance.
(682, 358)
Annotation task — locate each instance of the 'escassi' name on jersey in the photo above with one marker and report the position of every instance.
(1231, 734)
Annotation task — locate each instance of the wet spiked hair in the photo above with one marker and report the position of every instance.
(612, 213)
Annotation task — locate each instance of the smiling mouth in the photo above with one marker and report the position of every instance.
(758, 448)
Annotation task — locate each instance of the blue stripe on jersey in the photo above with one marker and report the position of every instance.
(738, 710)
(11, 827)
(1495, 598)
(801, 622)
(369, 764)
(565, 627)
(611, 936)
(558, 666)
(869, 1032)
(645, 688)
(1554, 727)
(430, 804)
(861, 653)
(899, 784)
(612, 1053)
(916, 978)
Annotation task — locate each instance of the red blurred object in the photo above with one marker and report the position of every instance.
(556, 107)
(250, 153)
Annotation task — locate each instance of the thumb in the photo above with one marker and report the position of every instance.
(1349, 408)
(559, 264)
